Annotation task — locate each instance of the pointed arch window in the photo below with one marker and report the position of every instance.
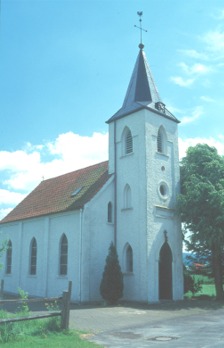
(161, 140)
(33, 257)
(127, 142)
(129, 259)
(127, 197)
(63, 266)
(9, 258)
(110, 213)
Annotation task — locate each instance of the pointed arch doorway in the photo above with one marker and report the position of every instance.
(165, 273)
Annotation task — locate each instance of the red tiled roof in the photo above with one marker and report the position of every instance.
(63, 193)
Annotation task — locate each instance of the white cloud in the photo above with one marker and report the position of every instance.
(182, 82)
(191, 53)
(78, 151)
(185, 143)
(9, 197)
(195, 69)
(207, 99)
(4, 212)
(18, 160)
(22, 170)
(219, 15)
(214, 41)
(197, 112)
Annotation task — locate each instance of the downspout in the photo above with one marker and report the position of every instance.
(80, 255)
(115, 185)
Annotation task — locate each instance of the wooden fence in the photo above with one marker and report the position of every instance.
(63, 313)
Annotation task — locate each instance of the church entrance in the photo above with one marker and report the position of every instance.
(165, 273)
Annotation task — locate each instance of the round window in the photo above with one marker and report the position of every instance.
(163, 190)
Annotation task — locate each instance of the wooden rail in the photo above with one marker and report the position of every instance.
(64, 313)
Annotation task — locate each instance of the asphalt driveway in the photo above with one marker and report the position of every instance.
(195, 324)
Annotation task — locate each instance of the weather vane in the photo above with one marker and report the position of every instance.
(140, 13)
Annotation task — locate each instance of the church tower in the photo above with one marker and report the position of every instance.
(143, 157)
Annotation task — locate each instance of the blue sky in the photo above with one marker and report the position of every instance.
(65, 67)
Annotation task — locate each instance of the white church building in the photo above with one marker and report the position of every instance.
(63, 229)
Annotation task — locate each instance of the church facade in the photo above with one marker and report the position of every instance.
(62, 230)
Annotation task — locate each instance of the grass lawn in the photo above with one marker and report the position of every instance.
(70, 339)
(207, 286)
(207, 289)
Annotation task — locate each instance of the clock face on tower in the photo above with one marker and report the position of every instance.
(160, 106)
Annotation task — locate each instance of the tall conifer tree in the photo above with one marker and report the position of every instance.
(111, 287)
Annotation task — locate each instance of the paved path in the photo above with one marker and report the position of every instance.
(153, 326)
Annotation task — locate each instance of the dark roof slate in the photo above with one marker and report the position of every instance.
(142, 92)
(66, 192)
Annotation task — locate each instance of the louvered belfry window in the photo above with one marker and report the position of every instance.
(128, 143)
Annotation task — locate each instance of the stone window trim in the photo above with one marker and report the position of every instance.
(163, 190)
(127, 142)
(161, 141)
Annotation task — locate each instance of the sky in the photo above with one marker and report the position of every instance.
(65, 66)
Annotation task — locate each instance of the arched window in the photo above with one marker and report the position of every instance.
(33, 257)
(127, 142)
(128, 259)
(161, 140)
(127, 197)
(63, 255)
(109, 212)
(9, 258)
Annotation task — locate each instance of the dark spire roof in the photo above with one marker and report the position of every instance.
(142, 92)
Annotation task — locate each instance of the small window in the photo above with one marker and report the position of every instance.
(9, 258)
(161, 140)
(109, 212)
(63, 255)
(128, 259)
(128, 143)
(33, 257)
(163, 190)
(127, 197)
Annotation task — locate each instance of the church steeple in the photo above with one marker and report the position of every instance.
(142, 92)
(142, 88)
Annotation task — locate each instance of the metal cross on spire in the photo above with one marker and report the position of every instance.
(140, 13)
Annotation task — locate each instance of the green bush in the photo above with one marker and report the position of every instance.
(111, 287)
(191, 283)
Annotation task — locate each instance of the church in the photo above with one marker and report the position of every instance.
(63, 229)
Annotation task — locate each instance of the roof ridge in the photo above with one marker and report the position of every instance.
(74, 171)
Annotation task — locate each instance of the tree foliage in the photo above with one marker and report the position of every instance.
(201, 205)
(111, 287)
(190, 283)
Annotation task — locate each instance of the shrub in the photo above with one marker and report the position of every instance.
(190, 283)
(111, 287)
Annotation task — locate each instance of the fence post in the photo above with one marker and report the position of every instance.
(2, 289)
(66, 307)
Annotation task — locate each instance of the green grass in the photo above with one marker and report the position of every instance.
(203, 278)
(40, 333)
(69, 339)
(207, 287)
